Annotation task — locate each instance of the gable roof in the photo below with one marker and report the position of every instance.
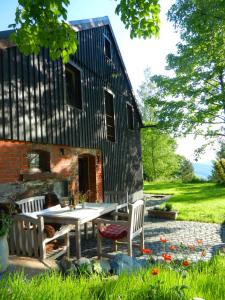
(86, 24)
(80, 25)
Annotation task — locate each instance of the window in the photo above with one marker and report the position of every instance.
(38, 161)
(130, 117)
(109, 110)
(107, 48)
(73, 86)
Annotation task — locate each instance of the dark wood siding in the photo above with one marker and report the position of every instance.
(33, 105)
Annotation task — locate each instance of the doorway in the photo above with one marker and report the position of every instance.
(87, 176)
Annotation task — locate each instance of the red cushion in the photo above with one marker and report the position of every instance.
(113, 231)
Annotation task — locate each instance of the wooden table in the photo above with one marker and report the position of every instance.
(78, 217)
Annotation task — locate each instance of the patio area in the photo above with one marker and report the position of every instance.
(176, 232)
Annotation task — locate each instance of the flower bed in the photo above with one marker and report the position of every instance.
(162, 214)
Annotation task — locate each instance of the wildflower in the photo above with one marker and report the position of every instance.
(147, 251)
(167, 257)
(155, 271)
(185, 263)
(163, 239)
(199, 241)
(173, 248)
(203, 254)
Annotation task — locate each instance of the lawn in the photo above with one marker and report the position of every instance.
(199, 279)
(203, 202)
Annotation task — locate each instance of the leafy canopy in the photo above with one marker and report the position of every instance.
(43, 23)
(193, 100)
(158, 149)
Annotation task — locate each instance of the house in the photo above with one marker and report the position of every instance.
(73, 125)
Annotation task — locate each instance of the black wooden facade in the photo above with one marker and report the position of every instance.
(33, 103)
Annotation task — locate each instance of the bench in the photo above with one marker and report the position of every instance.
(27, 237)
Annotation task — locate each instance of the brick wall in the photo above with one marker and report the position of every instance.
(14, 163)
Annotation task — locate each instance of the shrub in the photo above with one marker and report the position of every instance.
(168, 206)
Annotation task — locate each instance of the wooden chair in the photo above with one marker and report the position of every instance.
(117, 197)
(113, 197)
(123, 231)
(27, 236)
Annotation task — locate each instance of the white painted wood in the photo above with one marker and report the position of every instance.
(27, 236)
(134, 224)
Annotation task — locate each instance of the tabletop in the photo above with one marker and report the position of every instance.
(80, 214)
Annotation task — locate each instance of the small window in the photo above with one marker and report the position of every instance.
(38, 161)
(73, 86)
(130, 117)
(107, 48)
(110, 123)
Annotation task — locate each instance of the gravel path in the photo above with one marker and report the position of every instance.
(176, 232)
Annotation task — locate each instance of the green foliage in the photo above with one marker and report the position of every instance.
(219, 167)
(203, 202)
(195, 96)
(5, 223)
(142, 17)
(186, 170)
(218, 172)
(168, 206)
(158, 155)
(142, 285)
(43, 24)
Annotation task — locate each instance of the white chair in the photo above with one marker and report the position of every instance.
(123, 231)
(27, 236)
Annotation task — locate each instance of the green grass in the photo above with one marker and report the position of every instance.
(203, 202)
(200, 281)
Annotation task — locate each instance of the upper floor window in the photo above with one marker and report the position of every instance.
(107, 48)
(38, 161)
(110, 122)
(73, 86)
(130, 116)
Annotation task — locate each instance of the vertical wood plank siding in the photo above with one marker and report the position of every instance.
(33, 106)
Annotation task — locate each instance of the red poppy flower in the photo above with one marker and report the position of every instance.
(167, 257)
(185, 263)
(155, 271)
(147, 251)
(173, 248)
(199, 241)
(163, 239)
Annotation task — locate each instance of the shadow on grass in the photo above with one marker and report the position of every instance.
(191, 193)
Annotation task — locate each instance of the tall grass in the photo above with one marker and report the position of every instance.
(205, 280)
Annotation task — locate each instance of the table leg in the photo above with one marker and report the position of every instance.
(78, 245)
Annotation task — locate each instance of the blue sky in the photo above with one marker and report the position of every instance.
(138, 54)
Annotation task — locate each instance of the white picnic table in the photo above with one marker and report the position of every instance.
(77, 217)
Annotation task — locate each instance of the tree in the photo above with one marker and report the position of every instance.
(158, 149)
(193, 100)
(186, 170)
(158, 154)
(42, 23)
(218, 172)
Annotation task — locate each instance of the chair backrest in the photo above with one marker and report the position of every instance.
(117, 197)
(136, 218)
(31, 204)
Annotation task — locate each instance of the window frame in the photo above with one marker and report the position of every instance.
(44, 160)
(106, 90)
(69, 67)
(110, 48)
(128, 104)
